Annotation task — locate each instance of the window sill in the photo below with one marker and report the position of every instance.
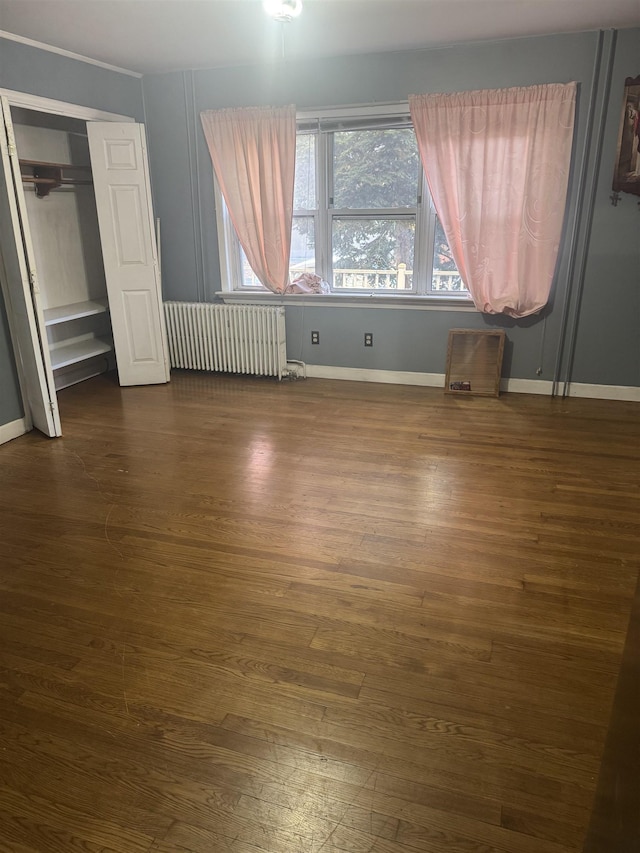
(355, 300)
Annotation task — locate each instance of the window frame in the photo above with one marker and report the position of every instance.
(325, 147)
(323, 123)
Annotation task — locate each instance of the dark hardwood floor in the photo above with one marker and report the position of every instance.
(317, 617)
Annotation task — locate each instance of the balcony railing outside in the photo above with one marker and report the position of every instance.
(400, 279)
(444, 281)
(448, 281)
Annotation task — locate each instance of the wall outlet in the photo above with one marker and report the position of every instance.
(368, 339)
(315, 337)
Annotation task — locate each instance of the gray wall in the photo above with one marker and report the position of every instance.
(10, 399)
(406, 339)
(604, 301)
(607, 348)
(49, 75)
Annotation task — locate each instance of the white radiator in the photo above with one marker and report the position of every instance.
(228, 338)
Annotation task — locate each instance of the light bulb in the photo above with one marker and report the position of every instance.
(283, 10)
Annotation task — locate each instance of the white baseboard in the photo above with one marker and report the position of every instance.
(407, 377)
(436, 380)
(527, 386)
(605, 392)
(364, 374)
(13, 430)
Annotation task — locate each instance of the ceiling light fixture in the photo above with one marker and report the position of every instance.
(283, 10)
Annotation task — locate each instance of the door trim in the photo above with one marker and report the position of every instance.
(60, 108)
(36, 377)
(14, 429)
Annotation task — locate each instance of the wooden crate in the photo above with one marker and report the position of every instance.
(474, 362)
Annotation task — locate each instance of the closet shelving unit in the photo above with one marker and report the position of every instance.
(82, 276)
(76, 349)
(70, 343)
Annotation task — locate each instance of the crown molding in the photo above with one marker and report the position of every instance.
(61, 52)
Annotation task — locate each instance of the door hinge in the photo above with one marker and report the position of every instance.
(52, 406)
(11, 141)
(33, 278)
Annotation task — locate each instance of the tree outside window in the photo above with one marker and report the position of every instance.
(359, 221)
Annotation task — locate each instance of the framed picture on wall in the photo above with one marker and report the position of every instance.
(626, 177)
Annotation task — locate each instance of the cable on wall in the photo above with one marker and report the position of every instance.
(573, 291)
(196, 127)
(193, 192)
(602, 118)
(573, 239)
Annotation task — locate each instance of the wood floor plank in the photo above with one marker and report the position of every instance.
(450, 714)
(473, 805)
(258, 617)
(50, 825)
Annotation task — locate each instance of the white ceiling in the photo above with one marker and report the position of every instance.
(163, 35)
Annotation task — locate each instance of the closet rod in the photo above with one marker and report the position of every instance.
(27, 179)
(47, 165)
(52, 176)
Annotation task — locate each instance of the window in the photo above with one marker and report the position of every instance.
(373, 207)
(362, 217)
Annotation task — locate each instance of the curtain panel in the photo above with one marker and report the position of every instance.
(253, 151)
(497, 163)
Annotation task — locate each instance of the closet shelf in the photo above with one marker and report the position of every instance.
(47, 163)
(53, 316)
(51, 176)
(78, 351)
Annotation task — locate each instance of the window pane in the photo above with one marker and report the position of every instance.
(303, 252)
(445, 278)
(302, 258)
(375, 169)
(373, 254)
(249, 278)
(304, 196)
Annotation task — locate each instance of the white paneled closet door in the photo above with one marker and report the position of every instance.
(123, 199)
(21, 287)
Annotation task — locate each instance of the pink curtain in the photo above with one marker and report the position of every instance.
(497, 164)
(253, 152)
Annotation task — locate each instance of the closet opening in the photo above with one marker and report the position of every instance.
(80, 272)
(55, 167)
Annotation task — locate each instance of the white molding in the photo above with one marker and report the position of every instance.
(62, 108)
(407, 377)
(13, 430)
(69, 54)
(338, 300)
(363, 374)
(527, 386)
(605, 392)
